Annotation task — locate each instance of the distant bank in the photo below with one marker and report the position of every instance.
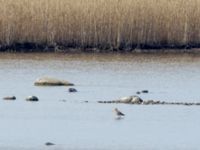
(100, 25)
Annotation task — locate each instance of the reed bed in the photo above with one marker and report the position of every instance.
(103, 24)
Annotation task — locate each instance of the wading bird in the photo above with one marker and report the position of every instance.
(118, 113)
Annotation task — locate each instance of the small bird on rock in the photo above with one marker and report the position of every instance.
(118, 113)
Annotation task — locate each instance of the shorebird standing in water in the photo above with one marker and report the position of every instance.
(118, 113)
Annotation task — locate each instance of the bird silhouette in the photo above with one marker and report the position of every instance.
(118, 113)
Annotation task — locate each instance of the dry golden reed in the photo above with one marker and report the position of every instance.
(100, 23)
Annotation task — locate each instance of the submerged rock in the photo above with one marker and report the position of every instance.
(9, 98)
(156, 102)
(63, 100)
(148, 102)
(138, 92)
(47, 81)
(188, 104)
(32, 98)
(49, 144)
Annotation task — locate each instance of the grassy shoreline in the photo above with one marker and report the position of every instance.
(106, 25)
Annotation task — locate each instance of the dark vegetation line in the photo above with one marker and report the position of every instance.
(143, 48)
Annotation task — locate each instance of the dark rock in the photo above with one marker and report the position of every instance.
(169, 103)
(176, 103)
(156, 102)
(86, 101)
(49, 144)
(162, 103)
(179, 103)
(190, 104)
(63, 100)
(32, 98)
(152, 102)
(145, 103)
(47, 81)
(72, 90)
(137, 92)
(187, 104)
(9, 98)
(148, 102)
(145, 91)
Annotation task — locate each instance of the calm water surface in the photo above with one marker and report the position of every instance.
(77, 125)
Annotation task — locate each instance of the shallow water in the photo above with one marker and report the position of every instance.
(77, 125)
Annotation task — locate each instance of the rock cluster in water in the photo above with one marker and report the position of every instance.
(48, 81)
(143, 91)
(138, 100)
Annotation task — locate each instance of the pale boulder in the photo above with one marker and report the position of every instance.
(48, 81)
(131, 100)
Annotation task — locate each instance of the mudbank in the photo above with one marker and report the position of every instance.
(137, 100)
